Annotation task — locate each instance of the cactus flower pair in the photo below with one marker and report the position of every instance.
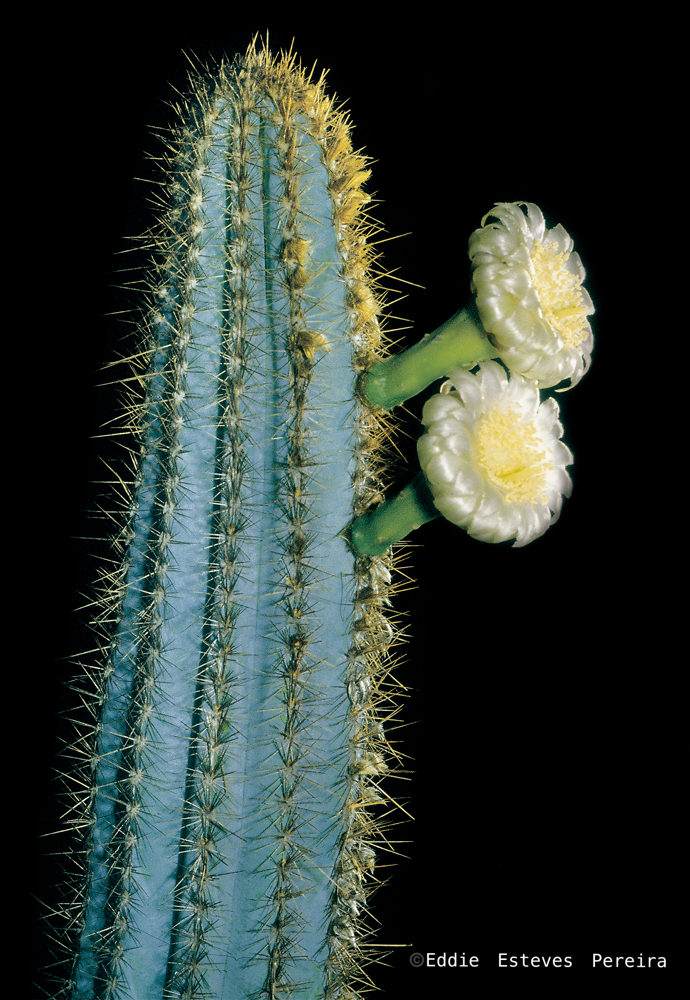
(492, 457)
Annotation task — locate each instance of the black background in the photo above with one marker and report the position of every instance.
(544, 683)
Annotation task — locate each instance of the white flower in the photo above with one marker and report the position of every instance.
(493, 457)
(529, 295)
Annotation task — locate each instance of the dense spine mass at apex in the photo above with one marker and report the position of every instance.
(228, 789)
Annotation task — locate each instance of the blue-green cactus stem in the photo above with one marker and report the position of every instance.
(239, 740)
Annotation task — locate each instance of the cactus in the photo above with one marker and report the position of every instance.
(226, 764)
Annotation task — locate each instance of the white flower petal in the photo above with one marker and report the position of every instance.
(549, 415)
(427, 448)
(442, 469)
(493, 382)
(458, 442)
(560, 237)
(493, 522)
(456, 509)
(442, 406)
(574, 265)
(533, 523)
(470, 481)
(537, 225)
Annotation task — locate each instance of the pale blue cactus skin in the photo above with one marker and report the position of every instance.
(235, 762)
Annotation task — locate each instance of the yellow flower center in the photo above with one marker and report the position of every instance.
(511, 453)
(559, 293)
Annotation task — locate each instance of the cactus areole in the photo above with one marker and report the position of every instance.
(229, 786)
